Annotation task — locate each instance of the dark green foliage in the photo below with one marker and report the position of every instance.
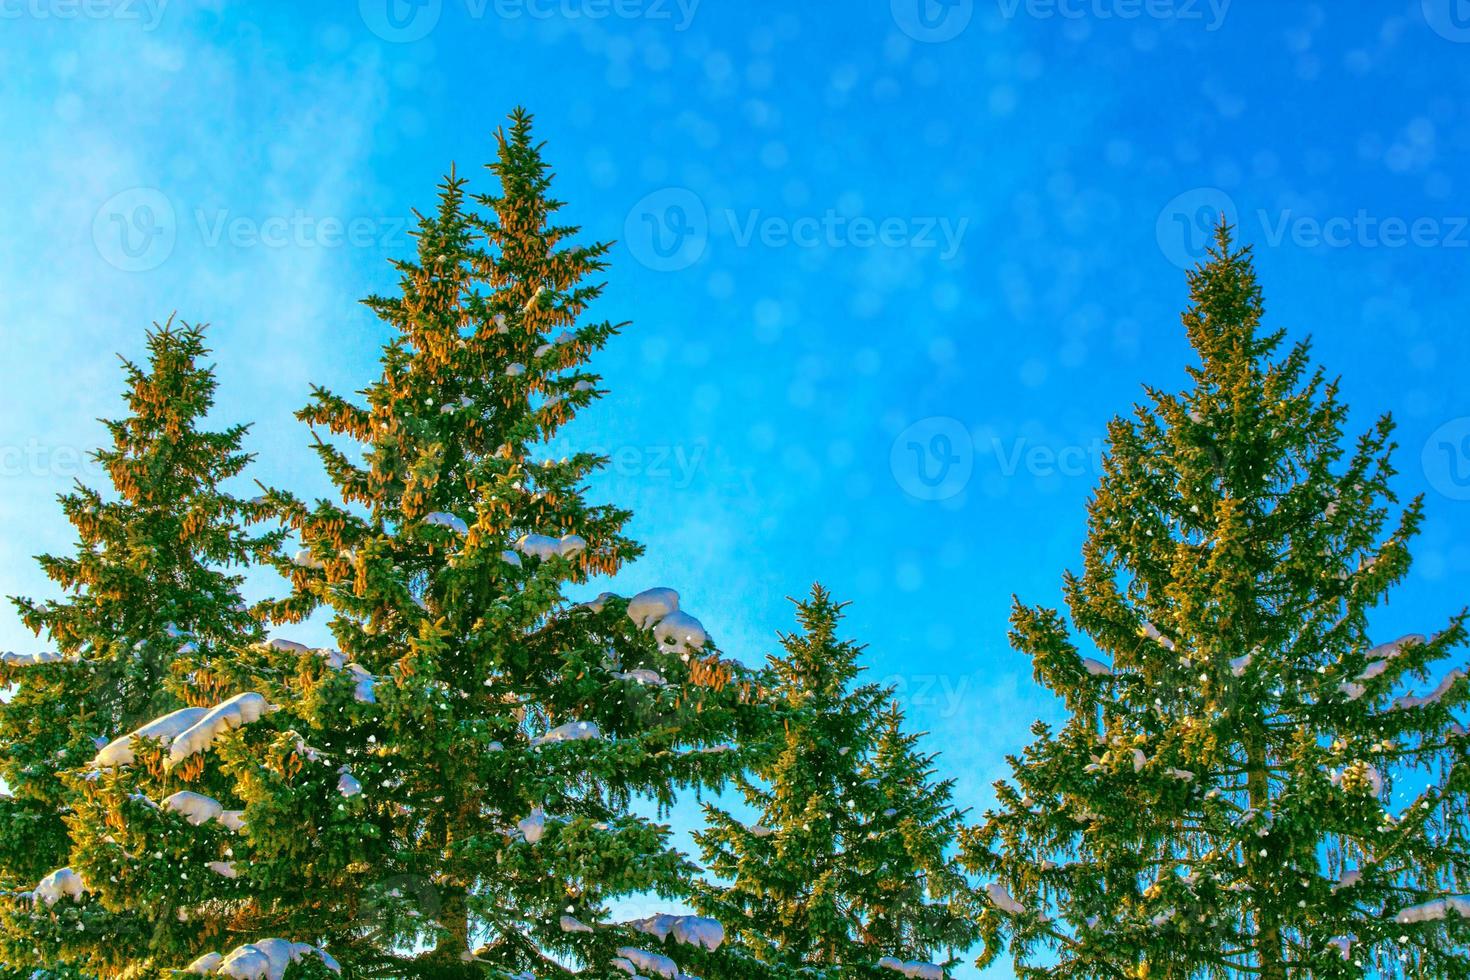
(1218, 804)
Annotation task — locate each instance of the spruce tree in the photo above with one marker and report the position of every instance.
(1247, 784)
(845, 873)
(450, 790)
(149, 583)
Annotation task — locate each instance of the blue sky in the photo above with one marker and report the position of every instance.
(890, 268)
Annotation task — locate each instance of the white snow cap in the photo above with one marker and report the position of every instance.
(1096, 667)
(232, 820)
(543, 546)
(681, 632)
(646, 608)
(441, 519)
(347, 783)
(534, 826)
(223, 868)
(63, 882)
(196, 808)
(691, 930)
(913, 968)
(235, 712)
(266, 959)
(1152, 632)
(1433, 911)
(165, 729)
(1412, 701)
(572, 731)
(208, 963)
(1001, 899)
(336, 660)
(596, 605)
(30, 659)
(642, 675)
(1379, 658)
(641, 959)
(701, 931)
(570, 924)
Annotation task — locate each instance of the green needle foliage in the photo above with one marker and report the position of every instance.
(1248, 784)
(148, 585)
(848, 862)
(454, 789)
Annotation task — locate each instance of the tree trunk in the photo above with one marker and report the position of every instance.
(1268, 940)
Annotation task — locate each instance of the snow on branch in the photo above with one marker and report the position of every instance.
(266, 959)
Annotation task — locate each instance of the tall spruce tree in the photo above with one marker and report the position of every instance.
(150, 582)
(1248, 785)
(846, 871)
(451, 791)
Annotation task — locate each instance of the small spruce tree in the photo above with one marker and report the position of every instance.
(846, 871)
(150, 582)
(1247, 785)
